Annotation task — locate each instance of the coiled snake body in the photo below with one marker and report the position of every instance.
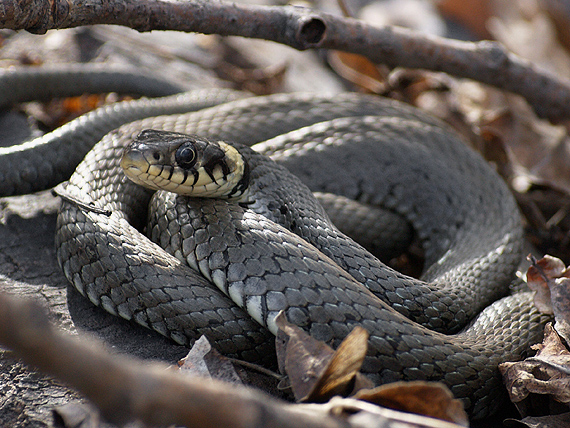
(279, 251)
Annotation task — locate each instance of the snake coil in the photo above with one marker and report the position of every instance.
(279, 251)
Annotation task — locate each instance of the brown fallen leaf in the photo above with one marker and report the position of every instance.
(550, 421)
(545, 377)
(494, 146)
(359, 71)
(341, 376)
(551, 281)
(528, 30)
(425, 398)
(293, 344)
(55, 113)
(540, 275)
(316, 372)
(539, 150)
(472, 14)
(365, 75)
(359, 413)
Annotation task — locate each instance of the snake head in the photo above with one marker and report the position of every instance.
(185, 164)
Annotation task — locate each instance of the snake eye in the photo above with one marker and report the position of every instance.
(185, 157)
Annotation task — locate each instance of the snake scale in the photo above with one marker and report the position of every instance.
(279, 250)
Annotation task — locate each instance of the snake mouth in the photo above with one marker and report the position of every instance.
(185, 164)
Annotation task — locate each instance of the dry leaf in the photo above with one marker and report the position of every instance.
(472, 14)
(367, 76)
(359, 413)
(552, 421)
(315, 371)
(341, 375)
(300, 356)
(541, 150)
(75, 415)
(424, 398)
(548, 373)
(359, 71)
(540, 276)
(527, 30)
(494, 147)
(205, 361)
(550, 279)
(56, 113)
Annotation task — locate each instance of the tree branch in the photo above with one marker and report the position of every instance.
(125, 389)
(300, 28)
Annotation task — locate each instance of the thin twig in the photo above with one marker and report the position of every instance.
(257, 368)
(60, 191)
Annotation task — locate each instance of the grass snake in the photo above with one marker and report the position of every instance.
(279, 250)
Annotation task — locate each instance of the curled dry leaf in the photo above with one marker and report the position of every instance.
(316, 372)
(548, 373)
(540, 276)
(365, 75)
(551, 421)
(359, 71)
(55, 113)
(300, 356)
(341, 375)
(425, 398)
(551, 281)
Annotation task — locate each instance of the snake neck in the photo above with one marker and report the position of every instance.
(274, 192)
(242, 186)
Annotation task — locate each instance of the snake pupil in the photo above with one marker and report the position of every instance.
(185, 156)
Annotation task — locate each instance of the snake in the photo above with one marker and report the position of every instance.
(252, 239)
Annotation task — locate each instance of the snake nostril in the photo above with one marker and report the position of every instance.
(156, 155)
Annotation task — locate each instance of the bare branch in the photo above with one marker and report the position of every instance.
(125, 389)
(300, 28)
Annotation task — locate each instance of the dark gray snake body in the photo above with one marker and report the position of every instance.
(461, 210)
